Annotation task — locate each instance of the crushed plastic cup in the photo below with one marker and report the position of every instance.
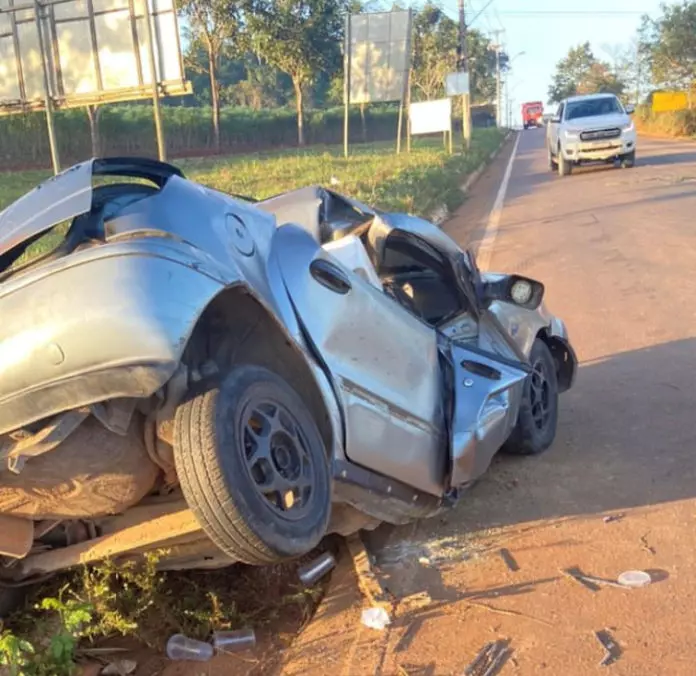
(182, 648)
(233, 641)
(634, 578)
(375, 618)
(315, 570)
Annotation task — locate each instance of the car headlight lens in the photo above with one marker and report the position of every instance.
(628, 127)
(521, 292)
(571, 135)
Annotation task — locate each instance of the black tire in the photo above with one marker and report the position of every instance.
(225, 481)
(535, 430)
(564, 166)
(553, 165)
(628, 161)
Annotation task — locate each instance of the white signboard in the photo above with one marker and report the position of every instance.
(379, 52)
(457, 84)
(96, 51)
(428, 117)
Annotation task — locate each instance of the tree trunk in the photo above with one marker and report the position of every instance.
(93, 113)
(300, 112)
(214, 99)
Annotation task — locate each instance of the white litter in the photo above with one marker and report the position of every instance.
(375, 618)
(634, 578)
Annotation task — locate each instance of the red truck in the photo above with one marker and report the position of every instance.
(532, 114)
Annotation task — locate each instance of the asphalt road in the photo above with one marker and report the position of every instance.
(616, 249)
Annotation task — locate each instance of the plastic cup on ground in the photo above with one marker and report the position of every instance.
(232, 641)
(183, 648)
(634, 579)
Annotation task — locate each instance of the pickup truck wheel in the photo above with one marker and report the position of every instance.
(253, 467)
(553, 165)
(564, 166)
(538, 418)
(628, 161)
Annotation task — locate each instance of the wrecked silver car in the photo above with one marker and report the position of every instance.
(230, 381)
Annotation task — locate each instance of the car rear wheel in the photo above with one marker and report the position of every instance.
(253, 467)
(538, 416)
(628, 161)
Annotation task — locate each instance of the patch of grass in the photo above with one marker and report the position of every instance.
(416, 182)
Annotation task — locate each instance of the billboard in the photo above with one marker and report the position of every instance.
(429, 117)
(378, 49)
(93, 51)
(663, 102)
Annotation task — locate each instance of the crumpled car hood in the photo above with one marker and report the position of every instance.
(58, 199)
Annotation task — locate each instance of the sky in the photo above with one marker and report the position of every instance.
(544, 30)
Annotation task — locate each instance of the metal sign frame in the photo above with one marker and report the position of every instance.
(143, 17)
(347, 71)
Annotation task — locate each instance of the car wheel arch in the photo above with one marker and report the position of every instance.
(562, 355)
(236, 327)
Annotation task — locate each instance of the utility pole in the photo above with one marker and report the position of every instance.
(463, 67)
(498, 93)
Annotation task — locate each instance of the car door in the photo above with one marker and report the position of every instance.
(383, 362)
(482, 368)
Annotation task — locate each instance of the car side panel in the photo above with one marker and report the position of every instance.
(106, 322)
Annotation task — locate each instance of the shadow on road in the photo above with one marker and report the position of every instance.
(595, 466)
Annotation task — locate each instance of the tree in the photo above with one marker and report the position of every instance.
(435, 39)
(580, 72)
(300, 38)
(215, 27)
(669, 46)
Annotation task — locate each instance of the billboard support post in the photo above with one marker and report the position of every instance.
(157, 109)
(50, 122)
(346, 86)
(406, 85)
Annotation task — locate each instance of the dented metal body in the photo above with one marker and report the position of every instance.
(112, 317)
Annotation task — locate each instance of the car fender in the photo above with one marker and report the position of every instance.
(138, 303)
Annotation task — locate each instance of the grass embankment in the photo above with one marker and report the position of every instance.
(676, 124)
(417, 182)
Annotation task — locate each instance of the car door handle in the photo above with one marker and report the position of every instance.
(330, 276)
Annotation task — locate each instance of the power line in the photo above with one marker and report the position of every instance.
(573, 12)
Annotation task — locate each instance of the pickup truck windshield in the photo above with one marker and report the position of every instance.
(592, 107)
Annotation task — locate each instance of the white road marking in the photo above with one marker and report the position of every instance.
(485, 250)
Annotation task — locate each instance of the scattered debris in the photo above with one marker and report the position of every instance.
(424, 560)
(509, 559)
(645, 546)
(612, 650)
(489, 659)
(120, 668)
(316, 569)
(183, 648)
(375, 618)
(634, 579)
(233, 641)
(613, 517)
(335, 181)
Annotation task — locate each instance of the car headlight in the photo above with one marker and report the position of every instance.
(571, 135)
(521, 292)
(628, 127)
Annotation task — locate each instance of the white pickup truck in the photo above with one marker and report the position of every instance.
(596, 128)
